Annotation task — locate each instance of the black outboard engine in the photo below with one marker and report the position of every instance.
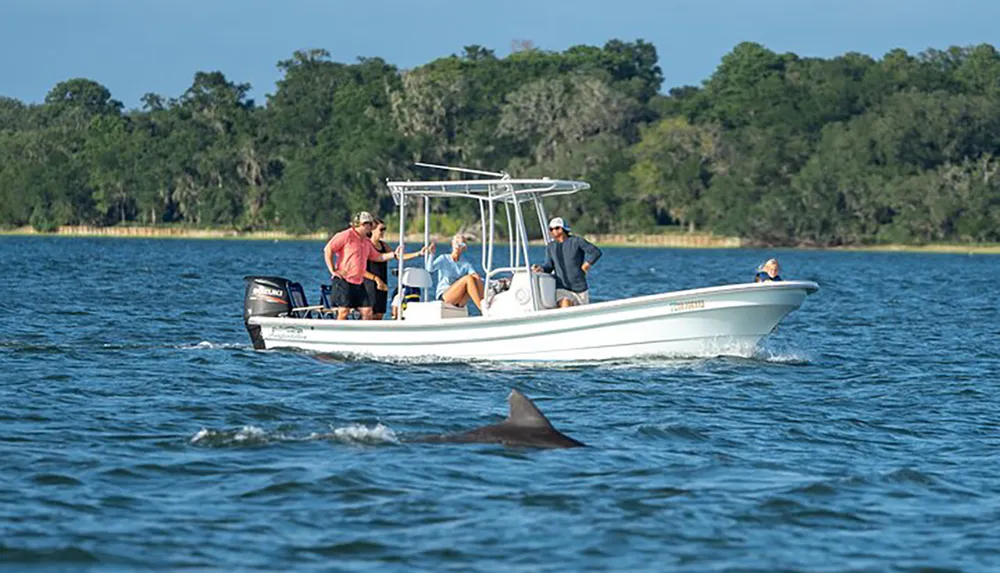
(265, 296)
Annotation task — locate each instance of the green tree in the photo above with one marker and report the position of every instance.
(674, 165)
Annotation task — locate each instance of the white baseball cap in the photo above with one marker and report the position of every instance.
(558, 222)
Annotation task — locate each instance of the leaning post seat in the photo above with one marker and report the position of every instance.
(416, 277)
(416, 284)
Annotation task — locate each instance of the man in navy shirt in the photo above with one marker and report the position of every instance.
(571, 258)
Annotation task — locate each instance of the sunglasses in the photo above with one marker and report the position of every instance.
(381, 229)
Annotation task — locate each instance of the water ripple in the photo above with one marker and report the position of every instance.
(139, 429)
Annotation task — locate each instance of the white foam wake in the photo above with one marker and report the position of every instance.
(786, 357)
(247, 435)
(255, 436)
(206, 345)
(359, 434)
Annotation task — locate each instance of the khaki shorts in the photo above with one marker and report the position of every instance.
(578, 298)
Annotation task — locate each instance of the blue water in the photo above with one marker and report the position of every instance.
(139, 430)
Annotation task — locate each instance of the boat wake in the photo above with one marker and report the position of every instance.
(253, 436)
(338, 357)
(781, 357)
(771, 351)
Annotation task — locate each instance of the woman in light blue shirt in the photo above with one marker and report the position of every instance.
(458, 282)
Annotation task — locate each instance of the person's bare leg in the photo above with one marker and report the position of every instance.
(366, 312)
(342, 313)
(472, 288)
(565, 303)
(475, 289)
(456, 294)
(378, 315)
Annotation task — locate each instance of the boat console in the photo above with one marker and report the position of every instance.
(516, 300)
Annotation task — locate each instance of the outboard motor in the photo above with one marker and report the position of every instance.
(265, 296)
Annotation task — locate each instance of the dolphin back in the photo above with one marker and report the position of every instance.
(525, 426)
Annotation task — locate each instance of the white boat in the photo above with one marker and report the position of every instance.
(521, 322)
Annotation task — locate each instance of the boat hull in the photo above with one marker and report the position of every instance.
(710, 321)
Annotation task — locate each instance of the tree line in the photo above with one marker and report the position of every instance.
(776, 148)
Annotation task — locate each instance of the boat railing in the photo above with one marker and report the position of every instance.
(499, 270)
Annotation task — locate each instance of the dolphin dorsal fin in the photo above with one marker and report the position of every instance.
(524, 413)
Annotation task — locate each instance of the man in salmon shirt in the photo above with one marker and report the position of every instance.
(353, 250)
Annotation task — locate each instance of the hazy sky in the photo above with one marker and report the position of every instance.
(139, 46)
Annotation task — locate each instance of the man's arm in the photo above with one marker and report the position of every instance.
(549, 265)
(590, 254)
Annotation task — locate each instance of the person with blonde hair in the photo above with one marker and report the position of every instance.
(768, 272)
(458, 281)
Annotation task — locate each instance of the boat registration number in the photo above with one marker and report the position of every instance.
(287, 333)
(686, 305)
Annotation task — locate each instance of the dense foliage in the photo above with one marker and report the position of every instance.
(773, 147)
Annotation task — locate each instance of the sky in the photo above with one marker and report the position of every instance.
(138, 46)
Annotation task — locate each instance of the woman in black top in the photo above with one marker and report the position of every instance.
(377, 273)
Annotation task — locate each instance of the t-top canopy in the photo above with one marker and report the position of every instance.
(501, 188)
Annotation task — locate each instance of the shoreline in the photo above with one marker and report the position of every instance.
(160, 233)
(685, 241)
(932, 248)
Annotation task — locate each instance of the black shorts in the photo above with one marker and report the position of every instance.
(379, 299)
(347, 295)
